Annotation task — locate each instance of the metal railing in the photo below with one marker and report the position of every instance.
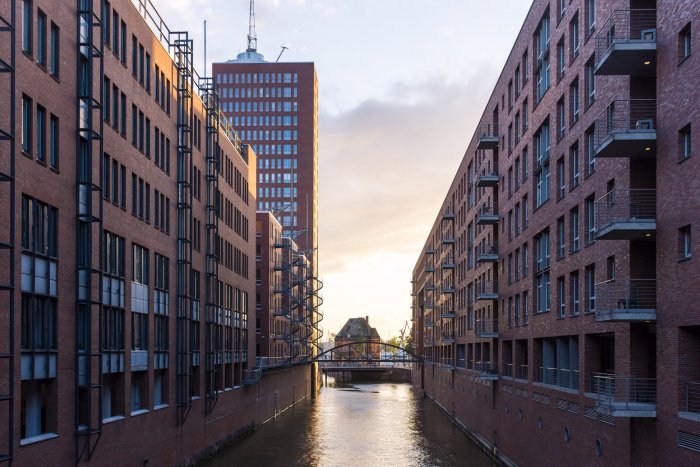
(523, 372)
(625, 116)
(508, 370)
(623, 392)
(447, 361)
(485, 249)
(692, 397)
(488, 131)
(448, 262)
(627, 295)
(486, 288)
(447, 335)
(561, 377)
(486, 368)
(623, 206)
(447, 311)
(486, 210)
(486, 327)
(625, 27)
(488, 168)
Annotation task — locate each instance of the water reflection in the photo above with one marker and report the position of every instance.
(357, 425)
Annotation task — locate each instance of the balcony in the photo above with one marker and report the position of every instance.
(448, 262)
(487, 136)
(428, 342)
(487, 253)
(626, 215)
(447, 239)
(626, 300)
(626, 44)
(487, 290)
(429, 305)
(448, 215)
(691, 402)
(447, 337)
(429, 268)
(429, 323)
(430, 287)
(486, 371)
(486, 328)
(523, 372)
(486, 215)
(508, 370)
(448, 290)
(487, 175)
(430, 251)
(625, 396)
(627, 128)
(447, 311)
(560, 377)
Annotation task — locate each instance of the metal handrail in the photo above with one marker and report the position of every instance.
(486, 326)
(487, 249)
(508, 370)
(638, 205)
(561, 377)
(486, 210)
(486, 367)
(487, 130)
(487, 167)
(447, 335)
(692, 396)
(523, 372)
(487, 287)
(625, 26)
(625, 295)
(624, 390)
(625, 116)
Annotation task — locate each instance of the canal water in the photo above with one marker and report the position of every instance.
(383, 424)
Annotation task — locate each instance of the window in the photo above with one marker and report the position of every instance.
(526, 264)
(139, 331)
(574, 35)
(123, 41)
(561, 177)
(610, 263)
(542, 277)
(561, 118)
(526, 68)
(575, 298)
(139, 264)
(684, 143)
(574, 99)
(526, 307)
(590, 288)
(561, 59)
(684, 43)
(41, 38)
(27, 23)
(573, 229)
(590, 219)
(684, 242)
(55, 50)
(542, 166)
(54, 143)
(561, 238)
(574, 166)
(41, 134)
(590, 150)
(541, 41)
(107, 32)
(526, 210)
(561, 297)
(525, 116)
(115, 33)
(590, 81)
(590, 16)
(27, 123)
(542, 251)
(562, 8)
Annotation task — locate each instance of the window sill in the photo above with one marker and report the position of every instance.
(160, 407)
(692, 416)
(685, 258)
(37, 439)
(54, 169)
(680, 161)
(683, 60)
(116, 418)
(555, 387)
(139, 412)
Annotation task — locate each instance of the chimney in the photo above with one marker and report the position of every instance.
(367, 319)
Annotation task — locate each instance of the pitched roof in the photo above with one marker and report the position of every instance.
(357, 328)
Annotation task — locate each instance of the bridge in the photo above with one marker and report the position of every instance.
(365, 356)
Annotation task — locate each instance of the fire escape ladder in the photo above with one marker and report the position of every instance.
(7, 237)
(89, 231)
(181, 46)
(214, 288)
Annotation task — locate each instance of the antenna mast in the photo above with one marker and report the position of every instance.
(252, 37)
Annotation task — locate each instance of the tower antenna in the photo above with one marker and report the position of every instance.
(281, 52)
(252, 37)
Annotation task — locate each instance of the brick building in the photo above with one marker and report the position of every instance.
(126, 244)
(552, 301)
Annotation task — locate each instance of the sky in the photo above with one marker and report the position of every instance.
(402, 85)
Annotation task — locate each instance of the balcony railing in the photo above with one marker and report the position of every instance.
(448, 337)
(428, 323)
(508, 370)
(625, 396)
(626, 44)
(486, 215)
(487, 371)
(447, 311)
(487, 174)
(692, 397)
(626, 300)
(448, 262)
(487, 290)
(447, 361)
(487, 328)
(487, 136)
(561, 377)
(523, 372)
(487, 252)
(626, 215)
(448, 215)
(626, 128)
(447, 238)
